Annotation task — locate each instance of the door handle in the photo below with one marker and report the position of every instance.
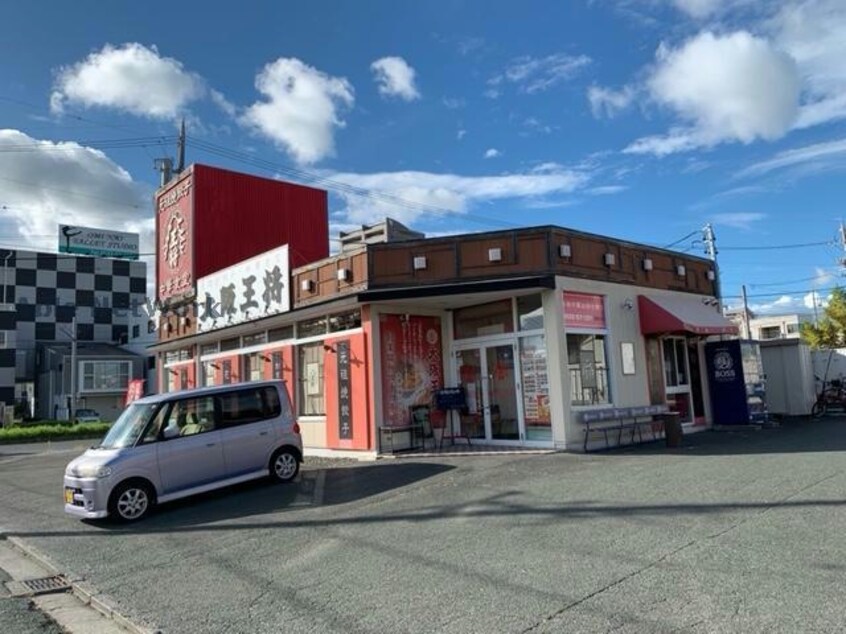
(262, 433)
(210, 444)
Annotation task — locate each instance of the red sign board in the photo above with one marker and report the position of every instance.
(412, 364)
(134, 390)
(174, 239)
(582, 310)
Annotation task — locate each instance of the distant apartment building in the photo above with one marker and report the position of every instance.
(769, 327)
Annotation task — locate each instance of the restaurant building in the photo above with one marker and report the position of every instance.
(535, 325)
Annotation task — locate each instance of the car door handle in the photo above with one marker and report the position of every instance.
(262, 433)
(210, 444)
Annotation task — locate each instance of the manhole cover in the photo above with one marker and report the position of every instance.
(42, 585)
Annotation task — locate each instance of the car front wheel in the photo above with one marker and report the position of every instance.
(284, 465)
(131, 501)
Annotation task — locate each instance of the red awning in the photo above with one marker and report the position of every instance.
(665, 314)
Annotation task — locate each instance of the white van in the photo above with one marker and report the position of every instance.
(173, 445)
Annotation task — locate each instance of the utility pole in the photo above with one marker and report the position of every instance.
(710, 241)
(747, 327)
(180, 149)
(843, 244)
(72, 408)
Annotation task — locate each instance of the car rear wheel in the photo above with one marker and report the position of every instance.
(284, 465)
(131, 501)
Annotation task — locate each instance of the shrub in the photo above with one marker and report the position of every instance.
(37, 433)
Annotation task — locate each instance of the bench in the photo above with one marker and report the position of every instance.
(620, 419)
(416, 432)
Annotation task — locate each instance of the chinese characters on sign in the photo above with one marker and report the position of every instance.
(412, 366)
(344, 391)
(251, 289)
(174, 269)
(584, 311)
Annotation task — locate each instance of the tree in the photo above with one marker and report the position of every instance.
(830, 331)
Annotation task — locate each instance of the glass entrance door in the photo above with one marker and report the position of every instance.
(488, 376)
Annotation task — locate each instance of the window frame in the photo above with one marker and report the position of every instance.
(606, 340)
(83, 374)
(266, 413)
(171, 404)
(302, 397)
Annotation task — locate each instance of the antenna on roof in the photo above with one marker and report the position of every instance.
(180, 149)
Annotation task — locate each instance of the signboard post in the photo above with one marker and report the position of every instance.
(342, 349)
(98, 242)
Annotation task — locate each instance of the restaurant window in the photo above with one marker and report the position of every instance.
(530, 312)
(311, 328)
(253, 366)
(770, 332)
(675, 362)
(209, 348)
(345, 321)
(254, 340)
(495, 318)
(311, 402)
(207, 368)
(276, 365)
(174, 356)
(230, 344)
(587, 362)
(281, 334)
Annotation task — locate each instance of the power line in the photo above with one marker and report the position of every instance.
(789, 293)
(780, 246)
(786, 282)
(682, 239)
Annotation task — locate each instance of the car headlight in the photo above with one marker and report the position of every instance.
(94, 471)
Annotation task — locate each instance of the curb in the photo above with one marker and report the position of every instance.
(86, 593)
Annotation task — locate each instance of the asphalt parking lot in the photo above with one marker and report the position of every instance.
(735, 532)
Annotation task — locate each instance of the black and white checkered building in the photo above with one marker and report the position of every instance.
(43, 292)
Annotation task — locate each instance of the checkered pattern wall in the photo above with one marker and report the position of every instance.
(42, 292)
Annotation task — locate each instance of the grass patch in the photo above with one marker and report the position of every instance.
(38, 433)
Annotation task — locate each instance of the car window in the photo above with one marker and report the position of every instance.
(245, 406)
(156, 425)
(191, 416)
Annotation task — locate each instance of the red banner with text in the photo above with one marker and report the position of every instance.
(582, 310)
(412, 364)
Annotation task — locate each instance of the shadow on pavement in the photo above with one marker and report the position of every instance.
(313, 488)
(804, 435)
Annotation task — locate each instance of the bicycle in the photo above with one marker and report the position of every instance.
(833, 394)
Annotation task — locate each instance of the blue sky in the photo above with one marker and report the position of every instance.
(641, 119)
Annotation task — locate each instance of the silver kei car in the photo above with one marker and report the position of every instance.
(170, 446)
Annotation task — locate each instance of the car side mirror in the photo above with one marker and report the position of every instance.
(170, 432)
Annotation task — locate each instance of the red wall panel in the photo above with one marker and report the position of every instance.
(362, 437)
(238, 216)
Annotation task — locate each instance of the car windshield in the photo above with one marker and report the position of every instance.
(129, 426)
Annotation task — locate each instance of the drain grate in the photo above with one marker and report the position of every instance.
(41, 585)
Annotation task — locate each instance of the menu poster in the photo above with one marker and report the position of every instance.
(412, 364)
(535, 384)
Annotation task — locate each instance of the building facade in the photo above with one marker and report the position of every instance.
(44, 294)
(535, 326)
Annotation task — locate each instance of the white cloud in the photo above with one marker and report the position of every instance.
(738, 220)
(537, 74)
(220, 100)
(454, 103)
(818, 153)
(492, 153)
(811, 31)
(132, 78)
(395, 78)
(608, 102)
(701, 9)
(409, 195)
(606, 190)
(63, 182)
(725, 88)
(789, 304)
(461, 133)
(300, 110)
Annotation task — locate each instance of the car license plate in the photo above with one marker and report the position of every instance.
(68, 496)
